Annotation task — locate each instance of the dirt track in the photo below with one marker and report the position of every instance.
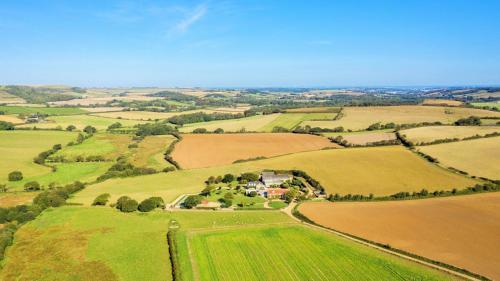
(463, 231)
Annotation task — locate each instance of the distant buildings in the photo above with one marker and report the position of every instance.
(268, 185)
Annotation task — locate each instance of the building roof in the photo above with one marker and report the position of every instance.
(272, 177)
(276, 191)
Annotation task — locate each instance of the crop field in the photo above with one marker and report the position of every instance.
(292, 120)
(314, 110)
(378, 170)
(81, 121)
(101, 109)
(249, 124)
(100, 100)
(76, 243)
(66, 173)
(462, 231)
(150, 152)
(428, 134)
(147, 115)
(302, 254)
(12, 119)
(479, 157)
(206, 150)
(362, 138)
(11, 199)
(359, 118)
(8, 98)
(110, 146)
(18, 148)
(42, 110)
(487, 104)
(442, 102)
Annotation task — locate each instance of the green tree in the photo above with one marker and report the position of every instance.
(32, 186)
(114, 126)
(192, 200)
(70, 128)
(101, 200)
(228, 178)
(15, 176)
(219, 131)
(89, 130)
(147, 205)
(6, 126)
(229, 195)
(291, 194)
(249, 177)
(129, 206)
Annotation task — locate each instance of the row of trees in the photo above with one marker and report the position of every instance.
(202, 117)
(126, 204)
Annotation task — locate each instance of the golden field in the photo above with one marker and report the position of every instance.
(429, 134)
(479, 157)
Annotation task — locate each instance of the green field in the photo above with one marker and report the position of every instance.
(292, 120)
(18, 148)
(99, 243)
(42, 110)
(277, 204)
(66, 173)
(290, 253)
(487, 104)
(378, 170)
(249, 124)
(109, 146)
(80, 121)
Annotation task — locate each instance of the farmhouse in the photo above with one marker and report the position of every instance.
(271, 179)
(276, 193)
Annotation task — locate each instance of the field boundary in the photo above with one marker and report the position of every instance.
(292, 211)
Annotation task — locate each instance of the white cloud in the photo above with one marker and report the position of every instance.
(192, 17)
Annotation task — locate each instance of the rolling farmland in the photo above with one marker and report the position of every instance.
(359, 118)
(43, 110)
(479, 157)
(362, 138)
(440, 228)
(147, 115)
(291, 120)
(429, 134)
(11, 119)
(197, 151)
(81, 121)
(249, 124)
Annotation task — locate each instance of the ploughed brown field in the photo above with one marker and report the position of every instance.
(208, 150)
(463, 231)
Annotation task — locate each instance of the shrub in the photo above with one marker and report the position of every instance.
(219, 131)
(32, 186)
(147, 205)
(200, 131)
(70, 128)
(168, 169)
(49, 199)
(101, 200)
(89, 130)
(129, 206)
(120, 202)
(249, 177)
(228, 178)
(114, 126)
(15, 176)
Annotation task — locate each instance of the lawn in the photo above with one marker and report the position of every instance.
(249, 124)
(292, 120)
(428, 134)
(150, 152)
(359, 118)
(238, 197)
(42, 110)
(18, 148)
(80, 121)
(479, 157)
(99, 243)
(290, 253)
(378, 170)
(109, 146)
(277, 204)
(433, 228)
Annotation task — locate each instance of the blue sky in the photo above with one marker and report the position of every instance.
(250, 43)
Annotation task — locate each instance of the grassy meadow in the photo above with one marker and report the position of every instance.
(150, 152)
(378, 170)
(479, 157)
(109, 146)
(487, 104)
(81, 121)
(429, 134)
(18, 148)
(359, 118)
(292, 120)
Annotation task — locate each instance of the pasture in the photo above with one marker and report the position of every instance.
(359, 118)
(18, 148)
(378, 170)
(147, 115)
(249, 124)
(320, 109)
(76, 243)
(42, 110)
(479, 157)
(364, 137)
(81, 121)
(110, 146)
(11, 119)
(11, 199)
(442, 102)
(150, 152)
(8, 98)
(291, 120)
(289, 253)
(429, 134)
(207, 150)
(462, 231)
(487, 104)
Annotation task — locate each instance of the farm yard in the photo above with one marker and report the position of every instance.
(479, 157)
(359, 118)
(432, 133)
(197, 151)
(433, 228)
